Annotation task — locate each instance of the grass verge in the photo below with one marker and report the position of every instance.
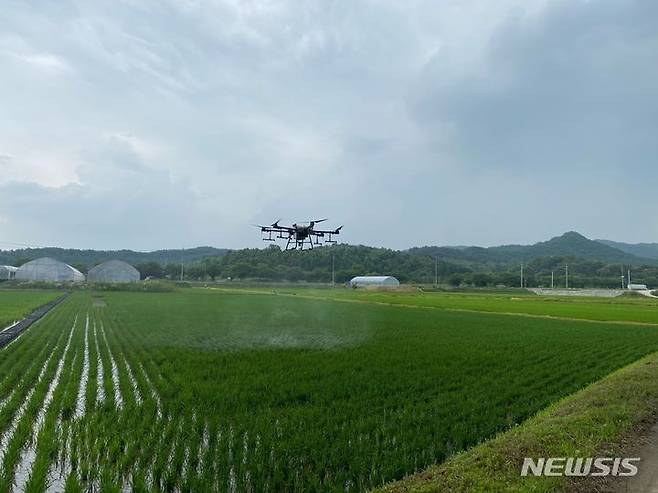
(594, 422)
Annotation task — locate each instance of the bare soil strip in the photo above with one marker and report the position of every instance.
(644, 446)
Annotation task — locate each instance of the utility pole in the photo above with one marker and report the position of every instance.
(566, 276)
(552, 280)
(182, 272)
(629, 279)
(333, 270)
(436, 272)
(521, 274)
(622, 276)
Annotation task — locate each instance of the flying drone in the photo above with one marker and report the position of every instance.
(299, 235)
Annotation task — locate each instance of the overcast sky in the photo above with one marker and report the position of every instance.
(153, 124)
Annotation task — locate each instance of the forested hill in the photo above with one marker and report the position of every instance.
(85, 259)
(646, 250)
(419, 265)
(570, 244)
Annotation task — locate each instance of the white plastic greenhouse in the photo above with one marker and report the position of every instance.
(113, 271)
(48, 269)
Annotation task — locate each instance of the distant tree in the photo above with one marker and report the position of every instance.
(480, 279)
(455, 280)
(150, 269)
(212, 267)
(172, 271)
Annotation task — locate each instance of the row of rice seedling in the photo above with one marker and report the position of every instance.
(23, 366)
(60, 409)
(31, 422)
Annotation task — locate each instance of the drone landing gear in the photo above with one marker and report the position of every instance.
(299, 244)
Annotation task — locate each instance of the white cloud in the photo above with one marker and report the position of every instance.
(45, 61)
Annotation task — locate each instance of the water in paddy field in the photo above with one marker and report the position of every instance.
(80, 404)
(118, 398)
(282, 339)
(279, 328)
(100, 389)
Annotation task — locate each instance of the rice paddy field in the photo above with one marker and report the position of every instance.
(323, 390)
(639, 309)
(15, 304)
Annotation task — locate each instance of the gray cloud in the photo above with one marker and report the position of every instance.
(157, 124)
(573, 87)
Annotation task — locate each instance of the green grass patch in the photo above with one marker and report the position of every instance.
(15, 304)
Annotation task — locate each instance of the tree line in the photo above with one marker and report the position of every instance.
(342, 262)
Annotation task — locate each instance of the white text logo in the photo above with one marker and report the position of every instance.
(580, 466)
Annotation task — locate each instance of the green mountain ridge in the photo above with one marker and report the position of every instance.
(646, 250)
(571, 247)
(570, 244)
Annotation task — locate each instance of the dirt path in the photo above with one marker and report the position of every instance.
(646, 481)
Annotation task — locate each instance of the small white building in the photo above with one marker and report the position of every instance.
(7, 272)
(637, 287)
(365, 281)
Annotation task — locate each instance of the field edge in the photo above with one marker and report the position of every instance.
(596, 421)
